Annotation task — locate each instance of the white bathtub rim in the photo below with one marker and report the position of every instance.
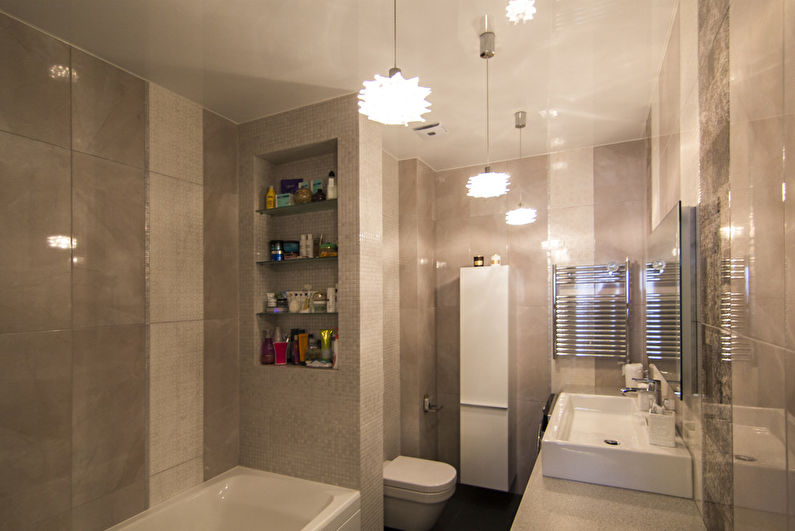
(349, 500)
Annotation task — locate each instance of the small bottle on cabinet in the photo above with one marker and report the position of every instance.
(331, 187)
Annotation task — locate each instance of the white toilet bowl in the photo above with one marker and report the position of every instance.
(415, 492)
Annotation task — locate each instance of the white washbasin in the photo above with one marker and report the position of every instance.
(575, 447)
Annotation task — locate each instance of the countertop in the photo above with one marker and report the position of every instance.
(560, 504)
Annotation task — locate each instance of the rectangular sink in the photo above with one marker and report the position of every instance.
(604, 440)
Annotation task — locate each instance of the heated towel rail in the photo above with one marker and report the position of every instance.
(590, 310)
(663, 311)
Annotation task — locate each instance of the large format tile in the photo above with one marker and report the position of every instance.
(34, 95)
(35, 428)
(175, 135)
(109, 412)
(108, 283)
(35, 246)
(221, 396)
(220, 218)
(176, 250)
(176, 401)
(621, 172)
(108, 117)
(532, 353)
(111, 508)
(571, 178)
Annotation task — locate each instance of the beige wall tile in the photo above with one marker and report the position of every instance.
(176, 401)
(175, 135)
(176, 250)
(571, 178)
(33, 104)
(108, 117)
(108, 282)
(35, 205)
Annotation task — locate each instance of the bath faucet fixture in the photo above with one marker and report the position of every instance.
(654, 386)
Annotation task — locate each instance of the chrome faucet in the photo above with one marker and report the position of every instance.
(655, 386)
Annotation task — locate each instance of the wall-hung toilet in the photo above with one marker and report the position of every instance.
(415, 492)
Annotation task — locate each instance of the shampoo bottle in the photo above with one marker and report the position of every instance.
(331, 187)
(270, 198)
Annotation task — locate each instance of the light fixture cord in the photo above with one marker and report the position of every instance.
(488, 143)
(394, 32)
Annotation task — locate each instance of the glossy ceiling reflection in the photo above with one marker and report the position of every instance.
(591, 62)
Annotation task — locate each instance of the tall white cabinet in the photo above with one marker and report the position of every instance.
(485, 426)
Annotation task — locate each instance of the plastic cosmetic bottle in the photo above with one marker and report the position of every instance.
(268, 355)
(270, 198)
(331, 192)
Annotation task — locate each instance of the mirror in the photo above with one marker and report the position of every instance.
(669, 281)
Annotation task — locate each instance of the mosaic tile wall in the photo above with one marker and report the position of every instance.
(175, 293)
(391, 238)
(315, 424)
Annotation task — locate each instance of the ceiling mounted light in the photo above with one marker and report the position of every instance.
(488, 183)
(520, 10)
(520, 215)
(394, 100)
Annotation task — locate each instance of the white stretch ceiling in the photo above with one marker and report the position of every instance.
(595, 62)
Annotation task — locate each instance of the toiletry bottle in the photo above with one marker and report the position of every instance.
(270, 198)
(332, 186)
(268, 355)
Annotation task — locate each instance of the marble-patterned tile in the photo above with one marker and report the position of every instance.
(108, 117)
(619, 232)
(36, 433)
(176, 393)
(527, 417)
(221, 441)
(573, 230)
(221, 396)
(450, 194)
(108, 284)
(756, 48)
(34, 97)
(220, 217)
(608, 373)
(170, 482)
(109, 413)
(570, 373)
(448, 357)
(448, 444)
(669, 83)
(176, 249)
(620, 172)
(571, 178)
(111, 508)
(789, 231)
(175, 135)
(35, 245)
(531, 332)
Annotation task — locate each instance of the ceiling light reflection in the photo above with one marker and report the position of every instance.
(60, 241)
(520, 216)
(520, 10)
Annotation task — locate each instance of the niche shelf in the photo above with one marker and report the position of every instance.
(297, 261)
(317, 206)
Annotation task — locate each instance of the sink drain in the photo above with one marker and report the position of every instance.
(746, 458)
(612, 442)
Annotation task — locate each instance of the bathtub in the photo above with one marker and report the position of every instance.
(244, 499)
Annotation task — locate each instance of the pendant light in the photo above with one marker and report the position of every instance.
(394, 100)
(520, 10)
(487, 183)
(520, 215)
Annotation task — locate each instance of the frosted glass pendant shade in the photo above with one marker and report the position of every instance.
(488, 184)
(520, 216)
(394, 100)
(520, 10)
